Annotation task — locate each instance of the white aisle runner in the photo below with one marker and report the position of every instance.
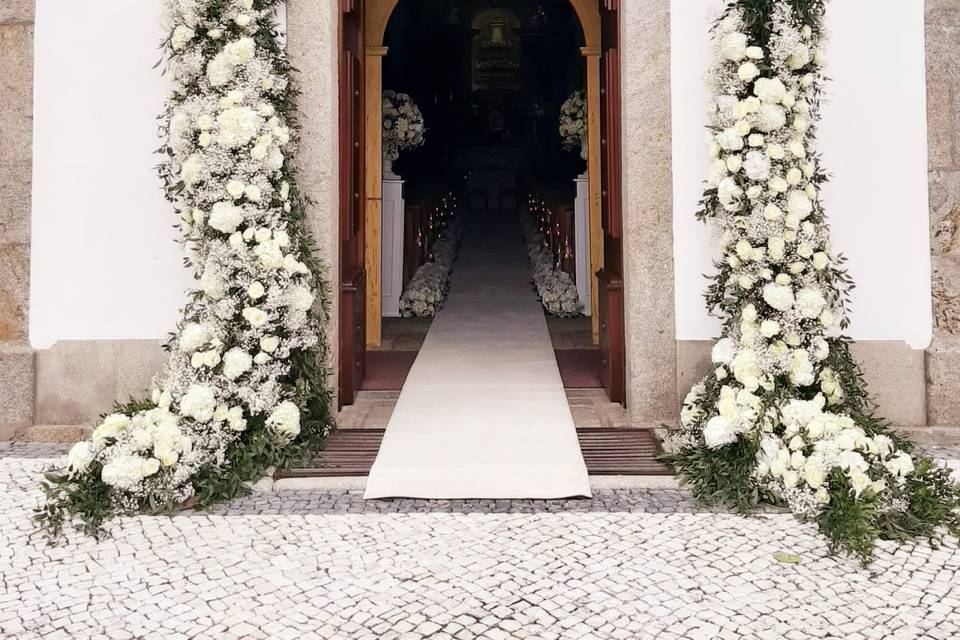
(483, 413)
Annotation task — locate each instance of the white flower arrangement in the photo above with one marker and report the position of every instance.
(403, 125)
(785, 398)
(249, 351)
(428, 287)
(573, 121)
(555, 287)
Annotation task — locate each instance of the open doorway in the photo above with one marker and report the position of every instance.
(489, 77)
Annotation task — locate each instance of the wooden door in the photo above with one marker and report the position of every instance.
(610, 277)
(352, 320)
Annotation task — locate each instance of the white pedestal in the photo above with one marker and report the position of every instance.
(391, 248)
(581, 247)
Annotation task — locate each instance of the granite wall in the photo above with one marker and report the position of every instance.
(943, 114)
(16, 132)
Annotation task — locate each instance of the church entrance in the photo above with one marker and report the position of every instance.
(490, 77)
(514, 212)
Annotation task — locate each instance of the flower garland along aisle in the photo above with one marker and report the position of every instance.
(403, 127)
(573, 123)
(429, 284)
(784, 417)
(556, 288)
(244, 388)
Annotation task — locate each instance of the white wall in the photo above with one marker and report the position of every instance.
(104, 263)
(873, 138)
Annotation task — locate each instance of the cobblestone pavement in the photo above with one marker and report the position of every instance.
(626, 564)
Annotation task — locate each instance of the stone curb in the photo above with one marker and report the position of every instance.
(359, 483)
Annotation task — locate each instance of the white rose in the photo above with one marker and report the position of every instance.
(235, 419)
(769, 328)
(225, 217)
(757, 166)
(80, 456)
(733, 46)
(730, 140)
(236, 362)
(820, 260)
(778, 296)
(235, 189)
(799, 57)
(112, 426)
(269, 344)
(747, 71)
(718, 432)
(194, 336)
(192, 169)
(813, 475)
(801, 369)
(285, 420)
(269, 255)
(776, 151)
(734, 163)
(253, 193)
(242, 20)
(181, 36)
(255, 316)
(729, 194)
(746, 369)
(777, 184)
(772, 212)
(255, 290)
(794, 176)
(776, 247)
(900, 464)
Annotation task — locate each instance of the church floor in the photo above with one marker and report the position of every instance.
(630, 564)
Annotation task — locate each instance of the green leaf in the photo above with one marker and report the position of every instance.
(786, 558)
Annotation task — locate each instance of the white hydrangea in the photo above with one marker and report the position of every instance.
(285, 420)
(128, 471)
(236, 362)
(198, 403)
(80, 456)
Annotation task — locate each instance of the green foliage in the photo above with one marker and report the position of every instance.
(848, 521)
(933, 506)
(86, 496)
(721, 476)
(257, 448)
(757, 16)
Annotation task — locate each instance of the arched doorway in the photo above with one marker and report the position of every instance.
(361, 86)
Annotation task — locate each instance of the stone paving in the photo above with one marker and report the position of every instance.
(626, 564)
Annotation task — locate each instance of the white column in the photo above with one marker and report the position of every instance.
(581, 236)
(391, 248)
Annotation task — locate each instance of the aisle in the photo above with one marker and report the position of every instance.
(483, 413)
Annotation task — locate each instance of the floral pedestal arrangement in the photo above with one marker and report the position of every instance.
(784, 415)
(245, 385)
